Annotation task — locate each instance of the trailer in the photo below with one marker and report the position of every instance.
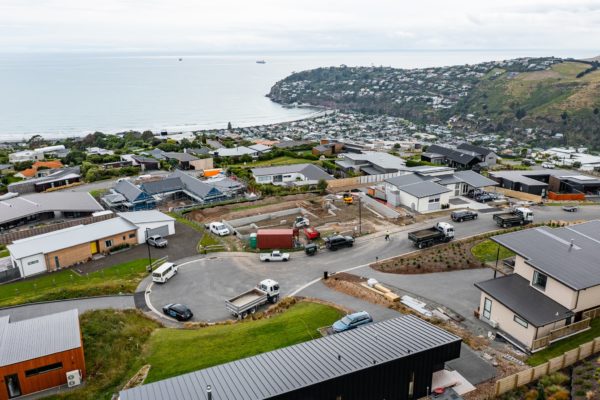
(517, 216)
(267, 291)
(439, 233)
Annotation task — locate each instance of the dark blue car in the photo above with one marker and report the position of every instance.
(352, 321)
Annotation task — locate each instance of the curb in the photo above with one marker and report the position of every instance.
(66, 300)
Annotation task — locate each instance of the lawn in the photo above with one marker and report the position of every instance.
(68, 284)
(211, 241)
(488, 251)
(283, 160)
(112, 342)
(97, 193)
(174, 352)
(558, 348)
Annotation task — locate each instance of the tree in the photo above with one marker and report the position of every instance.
(596, 111)
(229, 127)
(203, 139)
(36, 141)
(577, 164)
(564, 116)
(22, 165)
(520, 113)
(246, 158)
(322, 185)
(147, 136)
(396, 145)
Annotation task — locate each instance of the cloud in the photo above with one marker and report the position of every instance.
(283, 25)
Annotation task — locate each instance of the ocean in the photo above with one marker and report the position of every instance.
(62, 95)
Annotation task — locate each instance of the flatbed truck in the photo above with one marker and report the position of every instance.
(441, 232)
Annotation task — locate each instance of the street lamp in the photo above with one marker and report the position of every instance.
(149, 268)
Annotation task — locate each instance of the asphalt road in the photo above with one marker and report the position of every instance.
(205, 284)
(20, 313)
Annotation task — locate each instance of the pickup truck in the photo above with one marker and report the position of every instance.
(439, 233)
(275, 255)
(518, 216)
(157, 241)
(267, 291)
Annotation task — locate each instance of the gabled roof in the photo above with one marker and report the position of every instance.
(38, 337)
(515, 293)
(140, 217)
(418, 186)
(171, 184)
(463, 157)
(233, 152)
(195, 186)
(259, 147)
(275, 373)
(474, 179)
(310, 171)
(57, 175)
(549, 251)
(181, 157)
(475, 149)
(131, 192)
(36, 203)
(142, 159)
(68, 237)
(378, 159)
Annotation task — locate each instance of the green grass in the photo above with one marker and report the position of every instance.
(194, 225)
(97, 193)
(112, 343)
(174, 352)
(488, 250)
(558, 348)
(67, 284)
(283, 160)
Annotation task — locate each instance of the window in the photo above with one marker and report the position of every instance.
(434, 200)
(123, 237)
(33, 262)
(108, 243)
(43, 370)
(539, 280)
(520, 321)
(487, 308)
(131, 235)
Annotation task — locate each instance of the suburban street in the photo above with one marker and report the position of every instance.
(205, 283)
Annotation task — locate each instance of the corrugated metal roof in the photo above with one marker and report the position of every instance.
(166, 185)
(31, 204)
(129, 190)
(515, 293)
(549, 250)
(195, 186)
(69, 237)
(181, 157)
(310, 171)
(294, 367)
(38, 337)
(379, 159)
(424, 189)
(474, 179)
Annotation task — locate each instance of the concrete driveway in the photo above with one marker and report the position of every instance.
(28, 311)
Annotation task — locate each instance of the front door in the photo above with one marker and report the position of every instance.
(56, 262)
(13, 388)
(94, 247)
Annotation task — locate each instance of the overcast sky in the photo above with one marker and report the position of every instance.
(311, 25)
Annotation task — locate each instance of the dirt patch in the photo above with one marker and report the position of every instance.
(447, 257)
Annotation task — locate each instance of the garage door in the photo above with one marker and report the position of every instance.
(33, 265)
(434, 203)
(160, 230)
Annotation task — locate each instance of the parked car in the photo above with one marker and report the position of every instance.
(570, 208)
(547, 165)
(275, 255)
(352, 321)
(178, 311)
(338, 241)
(157, 241)
(463, 215)
(218, 229)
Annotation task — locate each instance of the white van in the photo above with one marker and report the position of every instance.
(164, 272)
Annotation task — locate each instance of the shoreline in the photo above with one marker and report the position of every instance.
(317, 111)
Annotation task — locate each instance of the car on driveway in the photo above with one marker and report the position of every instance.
(463, 215)
(157, 241)
(219, 229)
(352, 321)
(178, 311)
(570, 208)
(338, 241)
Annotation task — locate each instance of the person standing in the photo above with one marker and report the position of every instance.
(387, 236)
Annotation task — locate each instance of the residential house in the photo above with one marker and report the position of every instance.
(127, 196)
(54, 179)
(487, 156)
(554, 289)
(392, 359)
(99, 151)
(183, 161)
(235, 152)
(70, 246)
(40, 353)
(428, 188)
(454, 158)
(37, 208)
(39, 169)
(58, 151)
(295, 174)
(260, 148)
(149, 223)
(542, 181)
(371, 163)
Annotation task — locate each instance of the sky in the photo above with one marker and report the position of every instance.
(302, 25)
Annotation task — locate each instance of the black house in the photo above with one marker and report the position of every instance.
(393, 359)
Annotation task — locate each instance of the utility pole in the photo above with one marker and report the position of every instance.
(359, 216)
(497, 259)
(149, 256)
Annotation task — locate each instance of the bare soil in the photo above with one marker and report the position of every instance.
(447, 257)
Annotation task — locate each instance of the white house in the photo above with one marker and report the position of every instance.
(150, 222)
(37, 154)
(296, 174)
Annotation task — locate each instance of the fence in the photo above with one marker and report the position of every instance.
(593, 313)
(9, 237)
(555, 364)
(561, 332)
(566, 196)
(519, 195)
(9, 275)
(361, 180)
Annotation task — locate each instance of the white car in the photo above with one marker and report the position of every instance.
(219, 229)
(548, 165)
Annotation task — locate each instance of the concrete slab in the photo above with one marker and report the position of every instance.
(471, 366)
(453, 379)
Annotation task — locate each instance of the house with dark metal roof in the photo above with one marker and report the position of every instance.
(426, 188)
(126, 196)
(543, 181)
(465, 156)
(393, 359)
(295, 174)
(554, 290)
(488, 156)
(40, 353)
(371, 163)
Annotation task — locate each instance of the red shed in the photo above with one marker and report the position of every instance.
(275, 238)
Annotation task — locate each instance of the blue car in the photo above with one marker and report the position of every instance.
(352, 321)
